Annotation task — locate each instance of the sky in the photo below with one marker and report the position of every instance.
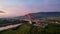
(12, 8)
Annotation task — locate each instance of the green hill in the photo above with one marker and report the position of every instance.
(30, 29)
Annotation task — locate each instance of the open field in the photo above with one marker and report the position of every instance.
(29, 29)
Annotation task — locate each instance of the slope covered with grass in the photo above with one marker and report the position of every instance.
(30, 29)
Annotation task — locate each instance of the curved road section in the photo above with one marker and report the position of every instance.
(9, 27)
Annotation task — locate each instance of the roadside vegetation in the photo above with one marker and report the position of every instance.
(30, 29)
(27, 28)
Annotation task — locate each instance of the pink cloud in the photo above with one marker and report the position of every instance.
(18, 11)
(14, 10)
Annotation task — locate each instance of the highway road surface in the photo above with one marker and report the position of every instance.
(9, 27)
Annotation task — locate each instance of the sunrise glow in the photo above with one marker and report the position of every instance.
(22, 7)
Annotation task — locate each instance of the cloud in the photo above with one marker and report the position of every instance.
(22, 7)
(13, 11)
(2, 12)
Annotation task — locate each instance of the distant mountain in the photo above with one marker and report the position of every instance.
(44, 14)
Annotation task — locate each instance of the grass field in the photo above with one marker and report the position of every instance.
(30, 29)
